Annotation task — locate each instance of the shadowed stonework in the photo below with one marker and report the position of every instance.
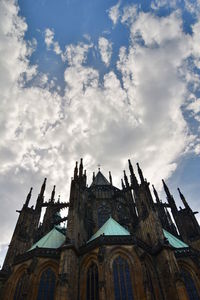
(119, 244)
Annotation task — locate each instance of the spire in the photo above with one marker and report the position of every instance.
(170, 198)
(126, 179)
(110, 177)
(84, 177)
(134, 181)
(41, 195)
(76, 170)
(53, 194)
(166, 189)
(123, 186)
(81, 168)
(43, 188)
(183, 199)
(28, 198)
(140, 173)
(156, 194)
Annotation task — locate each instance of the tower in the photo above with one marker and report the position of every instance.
(119, 244)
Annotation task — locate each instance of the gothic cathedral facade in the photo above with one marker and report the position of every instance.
(119, 244)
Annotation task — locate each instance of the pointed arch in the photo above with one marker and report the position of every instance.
(190, 285)
(46, 288)
(21, 287)
(92, 290)
(123, 289)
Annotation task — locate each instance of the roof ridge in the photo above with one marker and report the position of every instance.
(117, 229)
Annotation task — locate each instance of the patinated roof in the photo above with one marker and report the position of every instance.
(111, 227)
(100, 179)
(53, 239)
(174, 241)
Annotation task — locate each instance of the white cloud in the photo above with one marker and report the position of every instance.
(105, 48)
(114, 13)
(51, 44)
(132, 113)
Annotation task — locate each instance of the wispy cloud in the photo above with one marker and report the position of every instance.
(105, 48)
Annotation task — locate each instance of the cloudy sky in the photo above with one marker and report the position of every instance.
(105, 80)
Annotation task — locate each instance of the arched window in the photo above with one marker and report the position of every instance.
(46, 287)
(122, 279)
(21, 290)
(92, 283)
(190, 285)
(104, 212)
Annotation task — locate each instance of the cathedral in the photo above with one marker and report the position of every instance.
(119, 244)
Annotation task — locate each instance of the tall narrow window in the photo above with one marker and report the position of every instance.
(92, 283)
(20, 290)
(46, 287)
(122, 279)
(190, 286)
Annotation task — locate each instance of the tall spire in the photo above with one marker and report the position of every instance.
(41, 195)
(81, 168)
(123, 186)
(134, 181)
(156, 194)
(183, 199)
(140, 173)
(43, 188)
(170, 198)
(110, 177)
(126, 179)
(53, 194)
(76, 170)
(28, 198)
(166, 189)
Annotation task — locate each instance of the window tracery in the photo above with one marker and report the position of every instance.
(92, 283)
(122, 279)
(190, 285)
(21, 290)
(47, 283)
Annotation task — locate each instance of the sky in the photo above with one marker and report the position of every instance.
(103, 80)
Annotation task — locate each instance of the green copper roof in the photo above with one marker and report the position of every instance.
(54, 239)
(111, 227)
(174, 241)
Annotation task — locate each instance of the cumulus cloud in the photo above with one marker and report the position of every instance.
(132, 112)
(51, 44)
(105, 48)
(114, 13)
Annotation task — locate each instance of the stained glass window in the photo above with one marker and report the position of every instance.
(92, 283)
(122, 279)
(47, 285)
(21, 287)
(190, 286)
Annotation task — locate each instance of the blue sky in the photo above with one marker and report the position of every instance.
(98, 79)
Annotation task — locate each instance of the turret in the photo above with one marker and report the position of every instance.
(170, 198)
(134, 181)
(123, 186)
(183, 200)
(40, 198)
(140, 173)
(81, 168)
(126, 179)
(53, 194)
(28, 198)
(110, 177)
(76, 170)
